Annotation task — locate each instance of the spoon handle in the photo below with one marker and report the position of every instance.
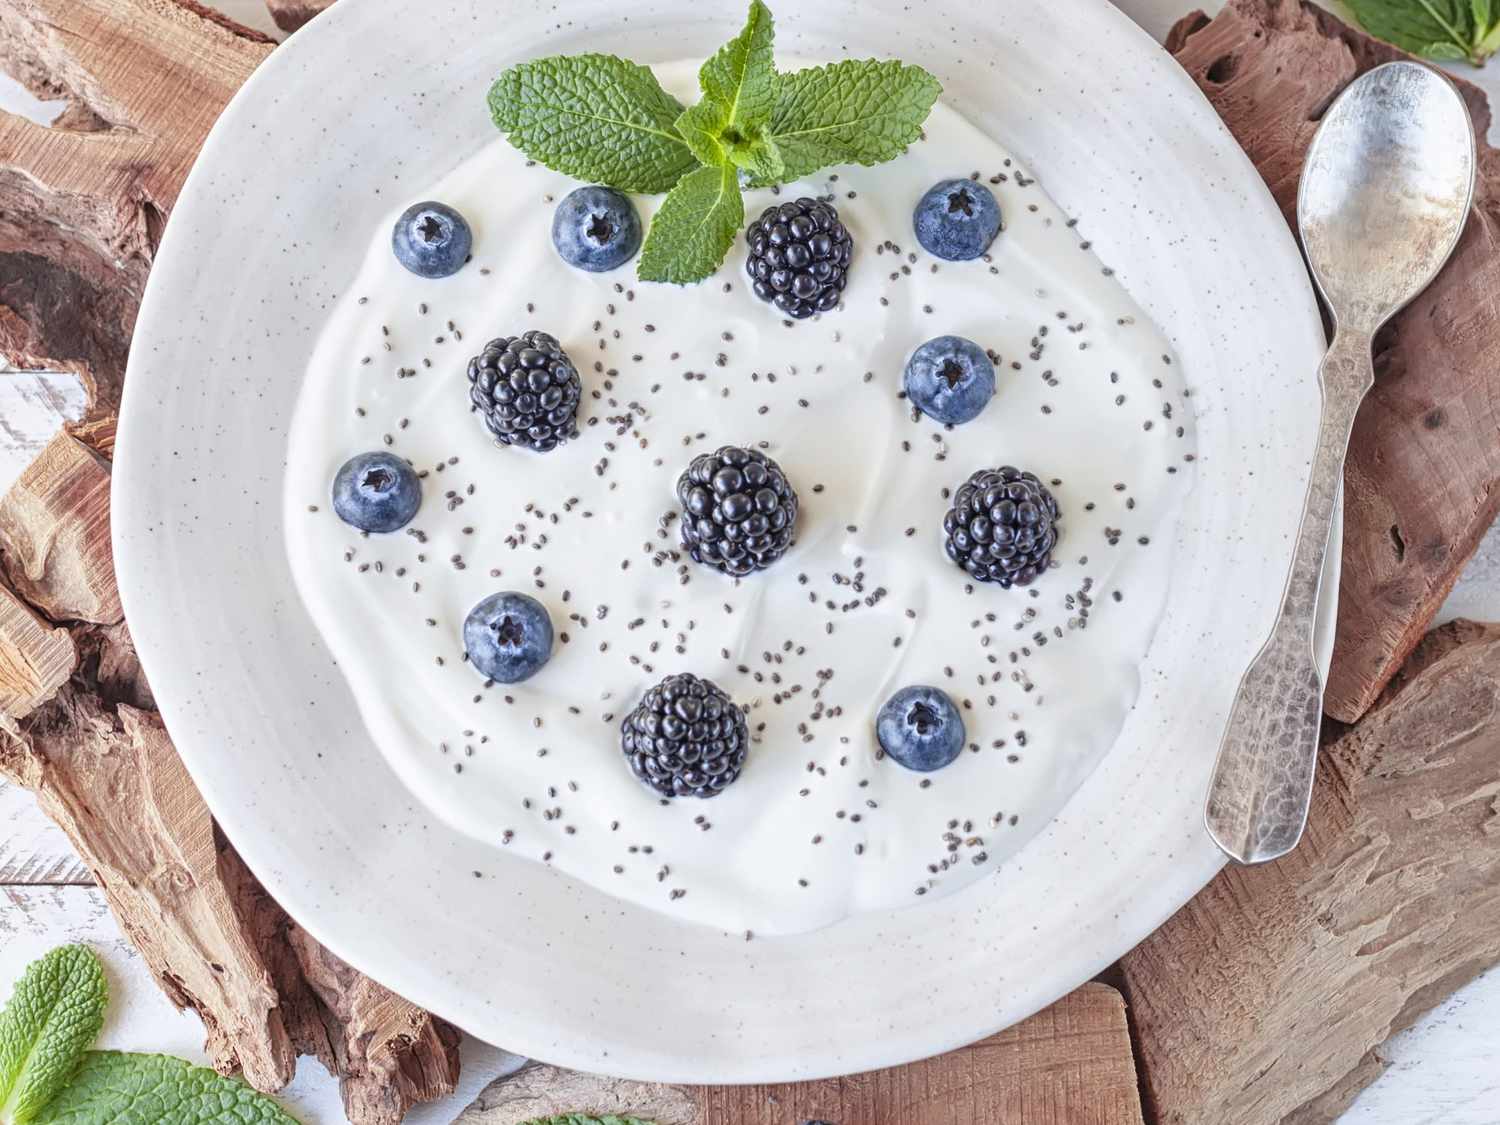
(1262, 782)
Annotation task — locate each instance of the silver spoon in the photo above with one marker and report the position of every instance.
(1385, 193)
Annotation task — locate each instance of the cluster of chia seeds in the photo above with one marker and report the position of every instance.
(601, 392)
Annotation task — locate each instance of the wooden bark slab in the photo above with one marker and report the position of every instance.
(1069, 1065)
(292, 14)
(83, 204)
(1264, 999)
(1422, 484)
(54, 535)
(102, 767)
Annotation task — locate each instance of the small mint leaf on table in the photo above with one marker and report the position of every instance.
(694, 228)
(116, 1088)
(1435, 29)
(853, 112)
(52, 1018)
(593, 117)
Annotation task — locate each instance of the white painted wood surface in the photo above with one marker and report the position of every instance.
(1444, 1071)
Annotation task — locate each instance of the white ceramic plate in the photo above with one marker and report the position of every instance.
(373, 100)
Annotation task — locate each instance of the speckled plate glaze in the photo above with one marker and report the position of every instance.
(370, 101)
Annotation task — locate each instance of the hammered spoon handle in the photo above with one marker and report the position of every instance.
(1262, 782)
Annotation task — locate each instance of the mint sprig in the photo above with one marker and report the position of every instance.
(48, 1075)
(117, 1088)
(52, 1017)
(606, 120)
(1466, 30)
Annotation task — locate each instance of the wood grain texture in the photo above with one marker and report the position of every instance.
(292, 14)
(54, 535)
(1068, 1065)
(83, 202)
(36, 658)
(1422, 482)
(1265, 998)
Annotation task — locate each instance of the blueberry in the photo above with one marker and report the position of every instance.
(950, 379)
(376, 492)
(431, 239)
(508, 637)
(596, 229)
(920, 728)
(957, 220)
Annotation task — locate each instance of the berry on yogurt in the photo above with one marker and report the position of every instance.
(508, 637)
(920, 728)
(376, 492)
(431, 239)
(739, 510)
(957, 220)
(950, 379)
(596, 229)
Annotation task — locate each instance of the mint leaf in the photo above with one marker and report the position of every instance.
(694, 228)
(115, 1088)
(854, 112)
(738, 95)
(762, 160)
(593, 117)
(1435, 29)
(739, 76)
(701, 126)
(52, 1018)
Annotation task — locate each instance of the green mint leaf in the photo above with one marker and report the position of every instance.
(694, 228)
(585, 1119)
(52, 1018)
(593, 117)
(738, 94)
(115, 1088)
(739, 78)
(1482, 11)
(702, 126)
(854, 112)
(762, 160)
(1435, 29)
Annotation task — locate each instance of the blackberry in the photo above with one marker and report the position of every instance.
(527, 390)
(739, 510)
(685, 738)
(799, 257)
(1002, 526)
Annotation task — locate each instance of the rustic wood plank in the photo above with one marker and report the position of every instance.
(1068, 1065)
(33, 850)
(1265, 998)
(1422, 484)
(83, 203)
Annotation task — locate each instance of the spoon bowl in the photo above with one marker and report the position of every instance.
(1386, 191)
